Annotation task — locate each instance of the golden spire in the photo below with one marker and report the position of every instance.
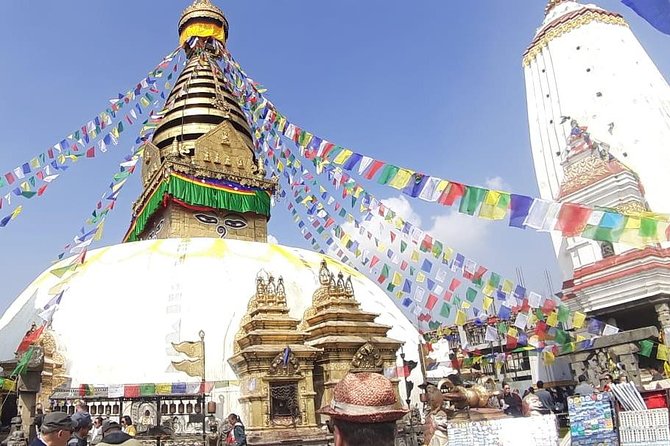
(203, 19)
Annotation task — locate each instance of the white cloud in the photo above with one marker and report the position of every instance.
(272, 239)
(497, 183)
(403, 208)
(462, 232)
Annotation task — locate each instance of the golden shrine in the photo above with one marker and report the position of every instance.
(287, 368)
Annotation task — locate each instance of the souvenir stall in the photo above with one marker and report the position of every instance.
(643, 417)
(510, 431)
(161, 415)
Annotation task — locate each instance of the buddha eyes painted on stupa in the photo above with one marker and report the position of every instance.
(232, 221)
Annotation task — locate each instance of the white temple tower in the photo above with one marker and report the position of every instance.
(585, 64)
(599, 119)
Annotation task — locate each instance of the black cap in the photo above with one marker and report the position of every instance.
(81, 420)
(56, 421)
(425, 385)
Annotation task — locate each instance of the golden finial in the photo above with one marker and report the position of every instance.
(203, 19)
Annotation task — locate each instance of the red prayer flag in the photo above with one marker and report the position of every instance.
(455, 283)
(548, 306)
(572, 219)
(451, 194)
(131, 390)
(30, 338)
(10, 177)
(430, 303)
(511, 342)
(90, 153)
(372, 170)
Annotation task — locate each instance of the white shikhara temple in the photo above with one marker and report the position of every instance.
(599, 120)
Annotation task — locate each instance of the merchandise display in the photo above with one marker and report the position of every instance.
(644, 427)
(537, 431)
(592, 420)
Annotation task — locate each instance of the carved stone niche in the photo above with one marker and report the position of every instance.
(284, 366)
(151, 163)
(367, 359)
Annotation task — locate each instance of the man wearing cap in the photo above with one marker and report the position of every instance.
(82, 424)
(364, 411)
(56, 429)
(112, 435)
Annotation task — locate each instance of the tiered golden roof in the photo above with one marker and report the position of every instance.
(203, 11)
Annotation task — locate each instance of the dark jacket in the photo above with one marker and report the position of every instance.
(76, 440)
(237, 436)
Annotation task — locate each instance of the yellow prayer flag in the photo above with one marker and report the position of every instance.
(513, 332)
(25, 186)
(548, 357)
(662, 352)
(16, 212)
(420, 277)
(507, 286)
(397, 279)
(465, 305)
(486, 303)
(488, 290)
(342, 156)
(447, 253)
(460, 318)
(401, 179)
(532, 319)
(163, 389)
(552, 320)
(666, 369)
(99, 231)
(415, 256)
(489, 204)
(578, 319)
(631, 232)
(580, 338)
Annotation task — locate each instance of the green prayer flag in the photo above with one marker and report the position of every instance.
(562, 337)
(471, 294)
(445, 311)
(343, 212)
(403, 246)
(385, 271)
(388, 172)
(502, 328)
(22, 365)
(390, 286)
(471, 200)
(648, 227)
(147, 389)
(437, 248)
(494, 280)
(567, 348)
(411, 270)
(563, 314)
(646, 347)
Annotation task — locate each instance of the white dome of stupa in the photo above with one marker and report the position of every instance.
(125, 305)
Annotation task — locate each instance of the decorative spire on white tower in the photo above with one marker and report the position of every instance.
(585, 65)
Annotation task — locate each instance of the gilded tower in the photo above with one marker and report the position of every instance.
(200, 174)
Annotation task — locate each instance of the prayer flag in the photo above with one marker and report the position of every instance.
(572, 219)
(460, 317)
(445, 311)
(471, 200)
(645, 347)
(656, 12)
(662, 352)
(451, 193)
(578, 320)
(495, 205)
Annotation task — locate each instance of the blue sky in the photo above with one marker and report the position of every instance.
(433, 86)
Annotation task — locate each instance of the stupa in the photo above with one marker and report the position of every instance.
(197, 242)
(599, 120)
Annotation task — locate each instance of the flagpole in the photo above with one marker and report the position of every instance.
(202, 385)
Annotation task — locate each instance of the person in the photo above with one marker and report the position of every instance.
(127, 426)
(81, 407)
(95, 435)
(363, 411)
(56, 429)
(607, 382)
(146, 421)
(656, 375)
(532, 404)
(584, 388)
(236, 435)
(435, 433)
(511, 402)
(545, 397)
(82, 425)
(112, 435)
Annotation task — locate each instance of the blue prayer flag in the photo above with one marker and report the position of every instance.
(656, 12)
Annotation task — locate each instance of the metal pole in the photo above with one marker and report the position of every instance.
(202, 390)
